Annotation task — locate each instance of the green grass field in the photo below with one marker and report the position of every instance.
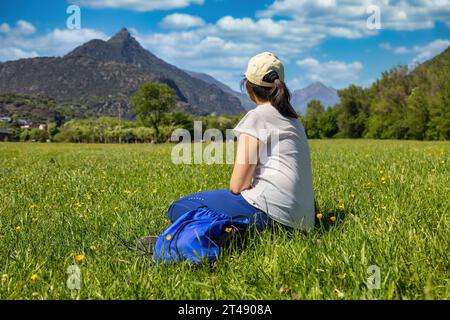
(63, 205)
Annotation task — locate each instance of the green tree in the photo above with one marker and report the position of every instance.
(38, 135)
(313, 114)
(152, 101)
(52, 129)
(177, 120)
(417, 114)
(444, 123)
(353, 111)
(327, 123)
(24, 135)
(387, 98)
(439, 124)
(143, 134)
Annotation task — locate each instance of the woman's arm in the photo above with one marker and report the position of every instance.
(247, 158)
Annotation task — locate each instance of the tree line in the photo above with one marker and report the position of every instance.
(113, 130)
(403, 104)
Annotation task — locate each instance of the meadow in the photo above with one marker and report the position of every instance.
(384, 204)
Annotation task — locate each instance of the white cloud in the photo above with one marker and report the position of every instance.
(181, 21)
(401, 50)
(267, 27)
(336, 73)
(5, 28)
(11, 53)
(22, 42)
(349, 17)
(430, 50)
(396, 50)
(22, 28)
(138, 5)
(67, 40)
(423, 52)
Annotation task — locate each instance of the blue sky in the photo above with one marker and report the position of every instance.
(319, 40)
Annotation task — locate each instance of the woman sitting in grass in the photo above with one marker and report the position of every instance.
(277, 186)
(272, 180)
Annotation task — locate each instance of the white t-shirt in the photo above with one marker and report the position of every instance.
(282, 186)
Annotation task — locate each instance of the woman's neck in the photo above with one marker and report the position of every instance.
(261, 103)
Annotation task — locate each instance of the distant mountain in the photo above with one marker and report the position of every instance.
(102, 75)
(317, 91)
(246, 103)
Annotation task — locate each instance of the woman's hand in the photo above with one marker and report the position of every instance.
(247, 158)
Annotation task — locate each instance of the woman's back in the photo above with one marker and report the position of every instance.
(282, 185)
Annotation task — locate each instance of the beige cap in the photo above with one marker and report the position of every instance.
(262, 64)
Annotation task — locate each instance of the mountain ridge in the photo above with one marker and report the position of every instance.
(246, 103)
(121, 66)
(315, 91)
(126, 49)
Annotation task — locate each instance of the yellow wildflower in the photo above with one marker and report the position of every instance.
(341, 206)
(228, 230)
(333, 219)
(34, 277)
(18, 228)
(79, 258)
(319, 215)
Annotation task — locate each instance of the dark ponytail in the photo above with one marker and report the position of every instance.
(279, 95)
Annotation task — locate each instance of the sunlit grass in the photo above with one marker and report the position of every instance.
(63, 205)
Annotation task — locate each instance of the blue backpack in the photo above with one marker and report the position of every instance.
(197, 236)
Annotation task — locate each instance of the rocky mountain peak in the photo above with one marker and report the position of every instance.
(316, 91)
(317, 86)
(122, 36)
